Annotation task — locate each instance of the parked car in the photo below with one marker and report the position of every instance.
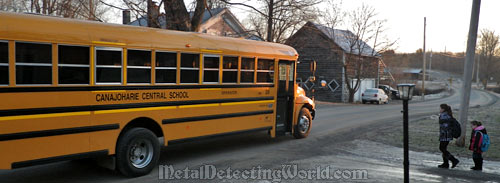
(391, 92)
(374, 95)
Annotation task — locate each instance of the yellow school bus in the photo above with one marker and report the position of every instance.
(73, 89)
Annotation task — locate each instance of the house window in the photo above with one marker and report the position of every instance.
(73, 64)
(166, 67)
(190, 66)
(108, 65)
(265, 71)
(4, 62)
(229, 69)
(211, 69)
(247, 70)
(33, 63)
(138, 66)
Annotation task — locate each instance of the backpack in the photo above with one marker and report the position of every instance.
(456, 130)
(486, 142)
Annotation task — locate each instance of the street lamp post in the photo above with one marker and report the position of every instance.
(406, 93)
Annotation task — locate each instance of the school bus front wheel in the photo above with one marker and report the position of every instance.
(304, 124)
(137, 152)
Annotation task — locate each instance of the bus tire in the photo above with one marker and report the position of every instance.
(304, 124)
(137, 152)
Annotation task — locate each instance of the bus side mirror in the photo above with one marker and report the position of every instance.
(312, 66)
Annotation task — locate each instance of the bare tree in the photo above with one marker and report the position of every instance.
(332, 14)
(212, 4)
(81, 9)
(177, 17)
(276, 20)
(139, 9)
(12, 5)
(153, 13)
(364, 30)
(488, 48)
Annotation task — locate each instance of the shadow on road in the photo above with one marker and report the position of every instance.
(185, 153)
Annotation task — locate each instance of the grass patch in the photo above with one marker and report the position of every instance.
(424, 134)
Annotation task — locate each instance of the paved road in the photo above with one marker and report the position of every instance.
(257, 150)
(333, 118)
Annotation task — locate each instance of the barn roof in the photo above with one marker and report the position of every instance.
(344, 39)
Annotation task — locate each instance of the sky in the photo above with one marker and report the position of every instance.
(447, 21)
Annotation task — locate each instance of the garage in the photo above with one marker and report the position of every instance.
(365, 83)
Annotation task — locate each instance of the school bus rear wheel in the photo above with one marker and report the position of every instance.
(137, 152)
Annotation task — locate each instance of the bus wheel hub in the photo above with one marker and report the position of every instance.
(303, 124)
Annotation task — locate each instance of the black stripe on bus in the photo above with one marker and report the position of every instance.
(100, 88)
(92, 154)
(48, 110)
(179, 141)
(62, 131)
(218, 116)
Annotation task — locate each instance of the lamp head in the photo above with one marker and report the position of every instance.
(406, 91)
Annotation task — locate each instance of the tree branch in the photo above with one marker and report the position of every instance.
(112, 6)
(246, 5)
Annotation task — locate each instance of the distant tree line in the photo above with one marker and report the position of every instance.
(487, 59)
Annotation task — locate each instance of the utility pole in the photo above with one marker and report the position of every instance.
(469, 63)
(423, 67)
(477, 70)
(430, 65)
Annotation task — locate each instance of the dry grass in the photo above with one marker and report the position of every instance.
(424, 134)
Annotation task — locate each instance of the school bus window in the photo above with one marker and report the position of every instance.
(108, 65)
(247, 70)
(229, 69)
(265, 71)
(73, 64)
(190, 66)
(138, 66)
(33, 63)
(210, 69)
(282, 72)
(4, 63)
(4, 52)
(166, 67)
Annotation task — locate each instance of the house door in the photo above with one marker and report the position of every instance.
(284, 108)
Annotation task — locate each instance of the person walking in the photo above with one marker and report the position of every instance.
(476, 139)
(445, 136)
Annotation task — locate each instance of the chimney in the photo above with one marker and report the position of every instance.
(126, 17)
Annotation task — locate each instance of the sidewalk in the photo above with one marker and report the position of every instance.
(386, 163)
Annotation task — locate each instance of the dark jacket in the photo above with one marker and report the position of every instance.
(445, 127)
(476, 139)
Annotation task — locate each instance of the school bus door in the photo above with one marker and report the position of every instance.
(284, 108)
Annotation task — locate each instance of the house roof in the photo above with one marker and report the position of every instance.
(161, 19)
(413, 71)
(343, 38)
(207, 15)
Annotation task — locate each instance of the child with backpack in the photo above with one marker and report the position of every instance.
(479, 143)
(447, 127)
